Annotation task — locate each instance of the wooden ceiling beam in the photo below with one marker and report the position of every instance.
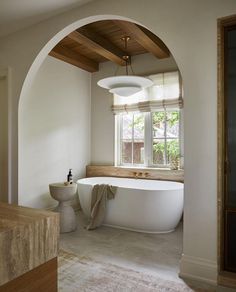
(145, 38)
(62, 53)
(98, 44)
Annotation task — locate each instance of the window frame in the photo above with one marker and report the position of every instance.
(148, 141)
(165, 138)
(118, 142)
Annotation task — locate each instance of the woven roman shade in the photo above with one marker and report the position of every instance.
(165, 93)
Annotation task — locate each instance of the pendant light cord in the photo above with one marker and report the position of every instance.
(126, 58)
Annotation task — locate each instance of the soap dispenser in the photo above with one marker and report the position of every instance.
(70, 177)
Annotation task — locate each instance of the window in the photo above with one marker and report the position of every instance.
(132, 138)
(149, 126)
(165, 137)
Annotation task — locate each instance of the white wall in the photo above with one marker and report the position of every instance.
(102, 123)
(189, 29)
(54, 130)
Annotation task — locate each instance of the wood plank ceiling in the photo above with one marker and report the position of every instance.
(101, 41)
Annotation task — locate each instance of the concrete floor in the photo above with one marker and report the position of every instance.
(156, 254)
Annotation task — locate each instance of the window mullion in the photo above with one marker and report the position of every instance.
(132, 161)
(165, 140)
(148, 139)
(181, 137)
(116, 144)
(120, 140)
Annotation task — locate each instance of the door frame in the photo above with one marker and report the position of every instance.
(5, 73)
(224, 278)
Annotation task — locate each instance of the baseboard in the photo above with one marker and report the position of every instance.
(198, 269)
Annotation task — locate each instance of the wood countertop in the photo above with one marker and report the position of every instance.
(28, 238)
(133, 172)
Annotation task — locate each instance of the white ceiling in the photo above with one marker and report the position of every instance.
(18, 14)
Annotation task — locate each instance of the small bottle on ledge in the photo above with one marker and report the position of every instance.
(70, 177)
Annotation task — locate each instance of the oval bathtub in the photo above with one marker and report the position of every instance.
(150, 206)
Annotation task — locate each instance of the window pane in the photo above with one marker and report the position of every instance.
(158, 151)
(138, 126)
(127, 122)
(138, 151)
(126, 156)
(172, 124)
(158, 124)
(172, 148)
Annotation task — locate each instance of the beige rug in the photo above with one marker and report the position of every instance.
(82, 274)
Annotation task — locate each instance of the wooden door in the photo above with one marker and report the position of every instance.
(227, 150)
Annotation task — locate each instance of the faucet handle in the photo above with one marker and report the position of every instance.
(146, 174)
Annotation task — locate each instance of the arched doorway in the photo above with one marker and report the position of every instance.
(24, 95)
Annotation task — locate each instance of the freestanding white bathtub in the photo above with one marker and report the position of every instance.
(150, 206)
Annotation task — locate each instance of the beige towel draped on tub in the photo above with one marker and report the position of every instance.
(100, 194)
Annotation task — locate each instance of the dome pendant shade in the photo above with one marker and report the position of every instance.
(125, 91)
(125, 85)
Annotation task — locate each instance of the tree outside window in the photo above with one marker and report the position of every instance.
(165, 127)
(162, 138)
(132, 139)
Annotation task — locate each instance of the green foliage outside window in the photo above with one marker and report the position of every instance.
(159, 117)
(138, 122)
(172, 146)
(173, 149)
(165, 148)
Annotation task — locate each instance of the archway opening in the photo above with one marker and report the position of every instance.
(65, 121)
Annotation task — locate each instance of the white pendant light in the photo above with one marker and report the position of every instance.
(125, 85)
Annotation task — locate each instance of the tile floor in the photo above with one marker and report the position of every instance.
(157, 254)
